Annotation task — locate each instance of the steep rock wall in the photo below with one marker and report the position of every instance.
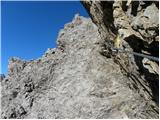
(73, 80)
(138, 22)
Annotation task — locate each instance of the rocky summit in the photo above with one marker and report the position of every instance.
(78, 79)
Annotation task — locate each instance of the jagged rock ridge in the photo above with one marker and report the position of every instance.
(73, 80)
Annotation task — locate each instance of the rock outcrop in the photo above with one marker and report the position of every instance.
(138, 22)
(75, 80)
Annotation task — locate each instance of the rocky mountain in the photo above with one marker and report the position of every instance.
(81, 78)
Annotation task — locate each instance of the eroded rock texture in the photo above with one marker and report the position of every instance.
(138, 22)
(75, 80)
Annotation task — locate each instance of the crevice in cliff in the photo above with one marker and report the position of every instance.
(70, 81)
(107, 8)
(139, 37)
(138, 46)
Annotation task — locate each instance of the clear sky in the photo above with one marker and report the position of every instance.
(29, 28)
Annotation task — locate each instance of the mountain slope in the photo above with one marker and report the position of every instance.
(73, 80)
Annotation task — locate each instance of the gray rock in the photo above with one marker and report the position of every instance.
(152, 13)
(139, 34)
(73, 81)
(147, 23)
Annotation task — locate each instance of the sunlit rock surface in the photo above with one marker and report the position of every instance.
(73, 80)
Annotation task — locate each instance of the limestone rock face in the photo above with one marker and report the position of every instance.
(73, 80)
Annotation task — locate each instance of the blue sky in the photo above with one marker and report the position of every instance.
(29, 28)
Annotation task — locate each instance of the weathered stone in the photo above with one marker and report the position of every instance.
(152, 13)
(75, 80)
(151, 66)
(133, 19)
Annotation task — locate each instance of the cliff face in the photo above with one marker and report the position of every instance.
(138, 22)
(74, 80)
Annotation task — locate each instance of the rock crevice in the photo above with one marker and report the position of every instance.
(75, 80)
